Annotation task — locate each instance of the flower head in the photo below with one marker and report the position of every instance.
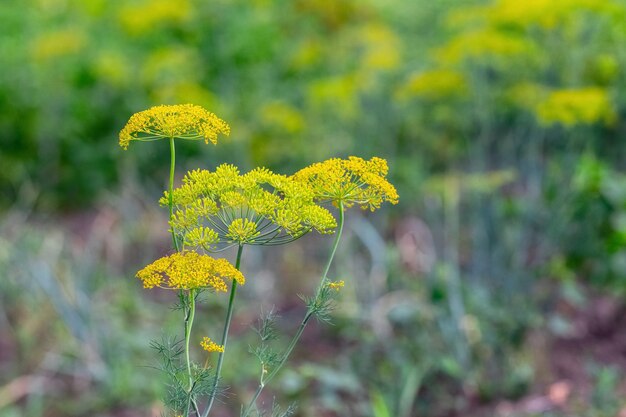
(189, 270)
(260, 207)
(242, 230)
(210, 346)
(181, 121)
(350, 181)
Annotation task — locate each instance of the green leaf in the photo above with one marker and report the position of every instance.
(379, 407)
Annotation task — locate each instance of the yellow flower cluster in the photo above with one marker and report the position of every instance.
(543, 14)
(482, 43)
(260, 207)
(350, 181)
(183, 121)
(576, 106)
(143, 17)
(242, 230)
(501, 29)
(526, 94)
(282, 117)
(546, 14)
(189, 270)
(336, 285)
(59, 44)
(381, 47)
(210, 346)
(435, 84)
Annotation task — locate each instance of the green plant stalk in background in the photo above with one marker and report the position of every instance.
(264, 380)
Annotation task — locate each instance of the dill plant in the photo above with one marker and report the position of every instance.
(212, 211)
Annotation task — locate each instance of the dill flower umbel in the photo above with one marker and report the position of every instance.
(226, 208)
(210, 346)
(189, 270)
(350, 181)
(182, 121)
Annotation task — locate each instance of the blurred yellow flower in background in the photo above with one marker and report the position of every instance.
(547, 14)
(138, 19)
(110, 65)
(283, 117)
(484, 43)
(576, 106)
(337, 92)
(439, 83)
(63, 42)
(381, 47)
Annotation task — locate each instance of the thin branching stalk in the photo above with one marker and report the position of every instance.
(188, 325)
(229, 316)
(170, 202)
(335, 246)
(191, 309)
(189, 317)
(310, 311)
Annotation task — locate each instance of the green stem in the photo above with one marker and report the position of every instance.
(188, 325)
(229, 316)
(305, 320)
(335, 246)
(189, 316)
(170, 201)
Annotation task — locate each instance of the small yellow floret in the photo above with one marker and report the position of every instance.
(189, 270)
(337, 285)
(182, 121)
(202, 237)
(350, 181)
(242, 230)
(210, 346)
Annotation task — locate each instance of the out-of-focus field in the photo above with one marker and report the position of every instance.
(495, 288)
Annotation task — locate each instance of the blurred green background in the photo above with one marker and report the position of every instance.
(495, 287)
